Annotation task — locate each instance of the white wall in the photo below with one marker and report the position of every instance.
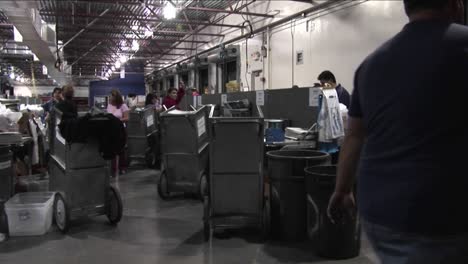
(338, 40)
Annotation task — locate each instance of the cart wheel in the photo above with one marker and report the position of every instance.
(114, 208)
(162, 186)
(203, 187)
(61, 213)
(266, 226)
(206, 219)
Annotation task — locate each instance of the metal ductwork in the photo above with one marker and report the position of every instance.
(213, 58)
(24, 15)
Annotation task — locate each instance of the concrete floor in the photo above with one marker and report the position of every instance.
(154, 231)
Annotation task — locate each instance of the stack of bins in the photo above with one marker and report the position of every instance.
(288, 190)
(143, 136)
(184, 152)
(236, 187)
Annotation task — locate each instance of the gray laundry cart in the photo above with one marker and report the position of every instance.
(184, 152)
(236, 185)
(142, 134)
(81, 178)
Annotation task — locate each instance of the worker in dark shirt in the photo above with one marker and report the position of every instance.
(67, 106)
(328, 78)
(56, 97)
(407, 120)
(174, 96)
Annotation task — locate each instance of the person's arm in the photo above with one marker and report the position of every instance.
(125, 113)
(180, 92)
(342, 200)
(350, 155)
(347, 99)
(343, 196)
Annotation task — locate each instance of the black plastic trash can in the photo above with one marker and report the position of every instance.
(331, 240)
(288, 192)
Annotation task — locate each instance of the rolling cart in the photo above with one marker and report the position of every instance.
(236, 185)
(81, 179)
(143, 136)
(184, 147)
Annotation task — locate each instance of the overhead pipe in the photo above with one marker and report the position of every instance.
(84, 55)
(233, 12)
(303, 13)
(83, 29)
(191, 34)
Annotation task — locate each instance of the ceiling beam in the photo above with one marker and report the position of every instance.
(232, 12)
(99, 37)
(117, 30)
(83, 29)
(174, 46)
(126, 16)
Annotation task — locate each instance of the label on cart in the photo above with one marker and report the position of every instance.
(260, 96)
(5, 165)
(224, 98)
(149, 120)
(201, 126)
(314, 94)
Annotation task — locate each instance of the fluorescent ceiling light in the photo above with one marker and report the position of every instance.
(169, 11)
(123, 59)
(135, 45)
(148, 33)
(17, 35)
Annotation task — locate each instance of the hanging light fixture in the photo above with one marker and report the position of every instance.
(123, 58)
(135, 45)
(169, 11)
(148, 33)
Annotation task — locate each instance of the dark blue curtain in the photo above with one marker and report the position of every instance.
(132, 83)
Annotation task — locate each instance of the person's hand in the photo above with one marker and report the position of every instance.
(341, 207)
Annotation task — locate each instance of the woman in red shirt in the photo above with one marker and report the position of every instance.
(174, 96)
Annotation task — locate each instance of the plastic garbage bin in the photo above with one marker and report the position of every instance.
(288, 192)
(337, 241)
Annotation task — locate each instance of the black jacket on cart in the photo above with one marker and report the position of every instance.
(106, 128)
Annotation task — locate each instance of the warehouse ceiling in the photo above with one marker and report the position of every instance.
(16, 58)
(97, 33)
